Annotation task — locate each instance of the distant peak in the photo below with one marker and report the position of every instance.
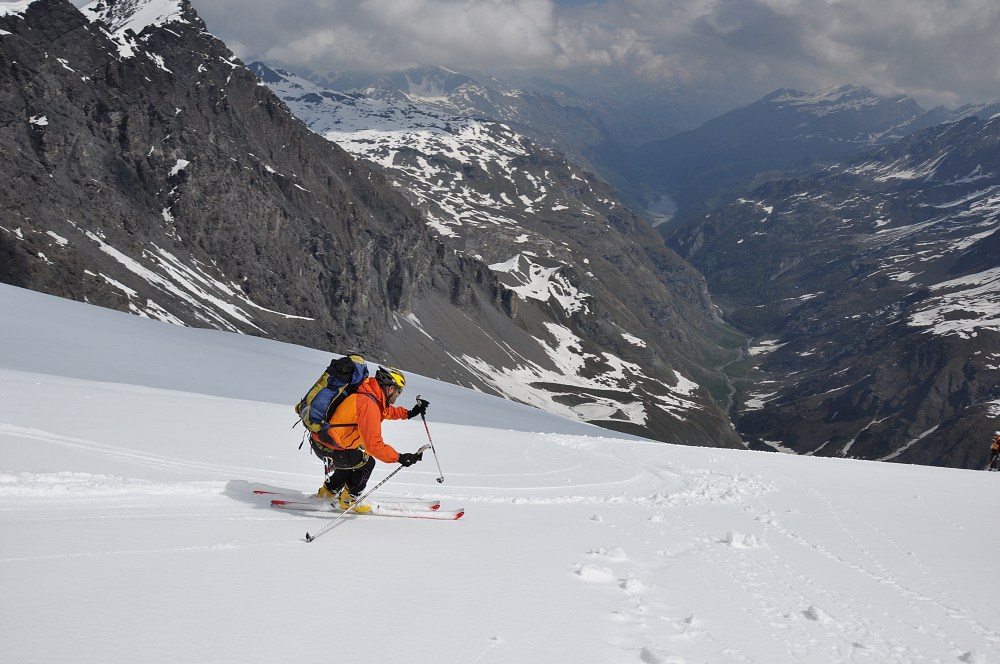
(838, 99)
(136, 15)
(832, 95)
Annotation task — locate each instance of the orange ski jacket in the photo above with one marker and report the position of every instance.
(357, 422)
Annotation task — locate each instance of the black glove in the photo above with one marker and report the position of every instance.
(409, 458)
(419, 409)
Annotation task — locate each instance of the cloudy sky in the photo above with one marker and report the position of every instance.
(938, 51)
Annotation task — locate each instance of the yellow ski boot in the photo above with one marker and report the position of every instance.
(326, 494)
(347, 502)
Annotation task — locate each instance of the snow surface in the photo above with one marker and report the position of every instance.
(125, 445)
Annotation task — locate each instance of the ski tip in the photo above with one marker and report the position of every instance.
(436, 506)
(279, 502)
(459, 515)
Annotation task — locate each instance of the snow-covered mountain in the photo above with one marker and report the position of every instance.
(150, 171)
(785, 131)
(874, 288)
(558, 119)
(439, 157)
(129, 534)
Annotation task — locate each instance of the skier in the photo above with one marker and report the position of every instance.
(994, 463)
(356, 429)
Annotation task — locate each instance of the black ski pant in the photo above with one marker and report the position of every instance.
(350, 468)
(355, 479)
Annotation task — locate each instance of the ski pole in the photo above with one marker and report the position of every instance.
(440, 477)
(310, 538)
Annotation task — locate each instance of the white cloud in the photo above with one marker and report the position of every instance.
(939, 52)
(385, 34)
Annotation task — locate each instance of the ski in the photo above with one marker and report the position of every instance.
(416, 504)
(378, 509)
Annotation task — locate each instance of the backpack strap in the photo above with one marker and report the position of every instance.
(325, 439)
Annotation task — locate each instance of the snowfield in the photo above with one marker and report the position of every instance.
(127, 533)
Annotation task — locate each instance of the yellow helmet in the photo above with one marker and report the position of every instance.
(391, 377)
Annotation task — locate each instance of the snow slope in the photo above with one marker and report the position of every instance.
(127, 533)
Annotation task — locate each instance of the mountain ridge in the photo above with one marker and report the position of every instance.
(871, 290)
(786, 131)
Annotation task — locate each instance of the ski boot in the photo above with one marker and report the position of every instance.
(348, 502)
(326, 494)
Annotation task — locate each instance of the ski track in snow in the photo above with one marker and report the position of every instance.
(630, 484)
(812, 615)
(124, 454)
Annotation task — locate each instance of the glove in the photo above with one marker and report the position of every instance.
(409, 458)
(419, 409)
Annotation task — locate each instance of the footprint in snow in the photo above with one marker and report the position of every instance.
(687, 628)
(741, 541)
(632, 585)
(616, 555)
(649, 655)
(595, 574)
(817, 614)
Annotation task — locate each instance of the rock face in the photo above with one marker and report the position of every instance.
(874, 289)
(149, 171)
(161, 178)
